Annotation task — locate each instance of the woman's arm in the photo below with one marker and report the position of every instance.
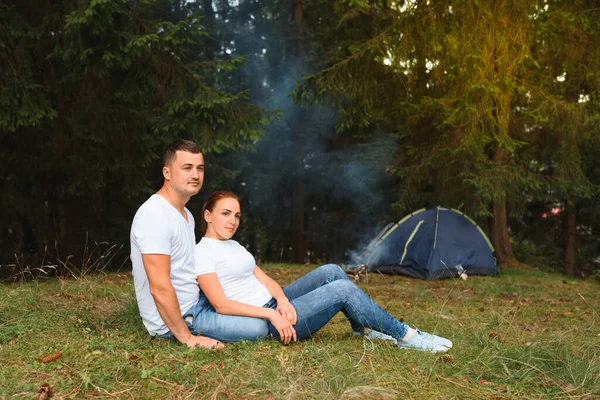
(284, 307)
(210, 285)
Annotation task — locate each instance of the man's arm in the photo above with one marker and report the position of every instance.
(158, 268)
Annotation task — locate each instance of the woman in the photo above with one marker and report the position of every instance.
(235, 285)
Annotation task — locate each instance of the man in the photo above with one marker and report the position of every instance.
(162, 254)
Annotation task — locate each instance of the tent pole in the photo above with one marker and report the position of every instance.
(437, 218)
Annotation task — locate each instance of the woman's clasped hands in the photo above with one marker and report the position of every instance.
(284, 319)
(287, 310)
(286, 330)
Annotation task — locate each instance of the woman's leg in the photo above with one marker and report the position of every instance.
(316, 278)
(317, 307)
(204, 320)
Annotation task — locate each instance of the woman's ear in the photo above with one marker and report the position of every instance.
(207, 216)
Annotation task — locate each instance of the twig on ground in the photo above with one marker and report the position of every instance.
(457, 384)
(363, 354)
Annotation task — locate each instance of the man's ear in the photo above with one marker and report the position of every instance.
(166, 173)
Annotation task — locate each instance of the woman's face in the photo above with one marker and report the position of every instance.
(223, 220)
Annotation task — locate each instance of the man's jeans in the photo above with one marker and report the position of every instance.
(317, 297)
(327, 290)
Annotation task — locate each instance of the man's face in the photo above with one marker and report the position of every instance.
(186, 173)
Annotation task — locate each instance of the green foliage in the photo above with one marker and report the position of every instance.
(488, 102)
(91, 93)
(545, 256)
(453, 103)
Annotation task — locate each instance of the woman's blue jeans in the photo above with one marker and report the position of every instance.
(317, 297)
(327, 290)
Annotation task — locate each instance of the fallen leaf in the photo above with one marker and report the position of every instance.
(283, 360)
(51, 357)
(447, 358)
(45, 392)
(493, 335)
(12, 342)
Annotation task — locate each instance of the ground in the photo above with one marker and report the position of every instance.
(524, 335)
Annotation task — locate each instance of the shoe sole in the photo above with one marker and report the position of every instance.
(426, 350)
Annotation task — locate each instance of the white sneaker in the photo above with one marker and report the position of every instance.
(371, 334)
(375, 335)
(426, 342)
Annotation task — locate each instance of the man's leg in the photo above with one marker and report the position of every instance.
(206, 321)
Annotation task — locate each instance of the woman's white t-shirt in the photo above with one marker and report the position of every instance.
(234, 267)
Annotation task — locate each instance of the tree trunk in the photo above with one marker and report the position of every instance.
(499, 235)
(570, 232)
(499, 229)
(298, 238)
(209, 22)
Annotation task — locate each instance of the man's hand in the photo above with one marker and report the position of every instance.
(205, 342)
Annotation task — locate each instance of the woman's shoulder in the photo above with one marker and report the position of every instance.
(215, 250)
(212, 243)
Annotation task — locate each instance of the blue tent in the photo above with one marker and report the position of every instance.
(429, 244)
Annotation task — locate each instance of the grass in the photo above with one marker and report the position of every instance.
(525, 335)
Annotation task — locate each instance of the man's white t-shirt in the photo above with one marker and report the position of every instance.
(234, 267)
(158, 228)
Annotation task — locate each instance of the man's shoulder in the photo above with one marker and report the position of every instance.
(152, 208)
(152, 227)
(154, 201)
(152, 212)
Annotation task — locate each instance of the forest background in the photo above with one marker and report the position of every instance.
(329, 118)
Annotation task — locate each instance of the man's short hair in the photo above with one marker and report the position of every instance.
(171, 150)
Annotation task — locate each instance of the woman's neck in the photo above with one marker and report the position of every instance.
(214, 237)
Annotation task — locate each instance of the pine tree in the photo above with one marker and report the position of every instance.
(90, 93)
(462, 86)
